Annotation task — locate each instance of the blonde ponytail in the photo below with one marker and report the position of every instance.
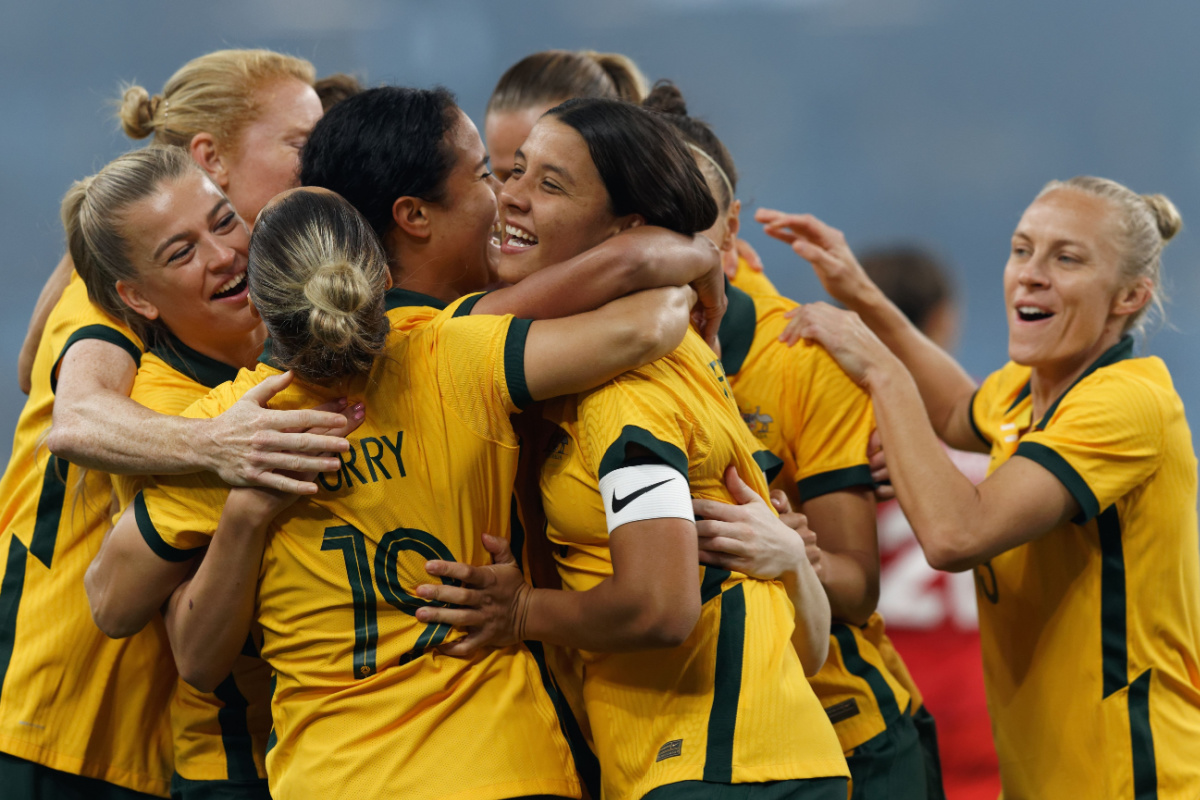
(92, 212)
(1146, 223)
(317, 276)
(214, 93)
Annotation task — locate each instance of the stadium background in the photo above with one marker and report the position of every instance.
(926, 121)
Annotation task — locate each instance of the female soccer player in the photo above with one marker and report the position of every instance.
(802, 407)
(1083, 537)
(179, 281)
(430, 471)
(687, 677)
(412, 163)
(243, 115)
(66, 725)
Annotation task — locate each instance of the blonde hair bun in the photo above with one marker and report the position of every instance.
(337, 291)
(138, 111)
(1166, 216)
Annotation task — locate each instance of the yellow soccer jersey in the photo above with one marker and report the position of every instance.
(801, 406)
(1091, 633)
(752, 281)
(70, 697)
(731, 704)
(360, 699)
(218, 735)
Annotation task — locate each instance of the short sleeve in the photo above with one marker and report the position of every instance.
(634, 410)
(1103, 440)
(84, 320)
(177, 515)
(481, 370)
(828, 424)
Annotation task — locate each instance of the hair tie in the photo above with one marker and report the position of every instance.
(721, 172)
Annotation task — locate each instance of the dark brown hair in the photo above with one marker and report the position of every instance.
(552, 76)
(667, 100)
(644, 163)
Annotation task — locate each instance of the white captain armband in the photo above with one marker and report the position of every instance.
(645, 491)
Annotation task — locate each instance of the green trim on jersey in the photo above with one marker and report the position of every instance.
(403, 298)
(49, 510)
(971, 419)
(727, 686)
(586, 763)
(769, 463)
(710, 586)
(101, 332)
(856, 665)
(834, 481)
(1145, 769)
(736, 333)
(1113, 638)
(1118, 352)
(204, 370)
(614, 457)
(11, 590)
(467, 306)
(154, 539)
(514, 362)
(235, 731)
(1060, 468)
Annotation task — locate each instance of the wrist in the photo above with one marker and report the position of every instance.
(883, 375)
(200, 444)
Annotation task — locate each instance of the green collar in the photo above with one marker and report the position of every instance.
(202, 369)
(400, 298)
(1118, 352)
(736, 333)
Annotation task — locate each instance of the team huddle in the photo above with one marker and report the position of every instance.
(361, 460)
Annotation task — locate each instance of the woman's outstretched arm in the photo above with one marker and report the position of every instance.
(946, 388)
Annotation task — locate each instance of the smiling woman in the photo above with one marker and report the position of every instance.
(1084, 535)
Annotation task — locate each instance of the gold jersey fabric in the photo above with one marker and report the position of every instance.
(1091, 633)
(219, 735)
(752, 281)
(71, 698)
(361, 701)
(801, 406)
(731, 704)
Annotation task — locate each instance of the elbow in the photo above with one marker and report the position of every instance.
(197, 674)
(64, 439)
(664, 625)
(813, 657)
(945, 551)
(111, 622)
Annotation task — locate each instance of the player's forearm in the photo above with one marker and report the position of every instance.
(847, 578)
(644, 258)
(813, 616)
(942, 382)
(106, 430)
(941, 504)
(209, 616)
(604, 619)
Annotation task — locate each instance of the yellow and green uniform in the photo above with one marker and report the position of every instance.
(72, 699)
(362, 704)
(730, 705)
(1090, 633)
(752, 281)
(801, 406)
(221, 735)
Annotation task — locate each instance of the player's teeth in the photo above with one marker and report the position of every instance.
(517, 233)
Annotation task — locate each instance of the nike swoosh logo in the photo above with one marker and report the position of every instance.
(620, 503)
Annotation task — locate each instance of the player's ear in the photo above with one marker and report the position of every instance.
(411, 215)
(133, 297)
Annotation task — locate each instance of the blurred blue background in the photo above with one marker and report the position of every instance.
(896, 120)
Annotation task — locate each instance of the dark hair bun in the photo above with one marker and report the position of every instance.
(666, 98)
